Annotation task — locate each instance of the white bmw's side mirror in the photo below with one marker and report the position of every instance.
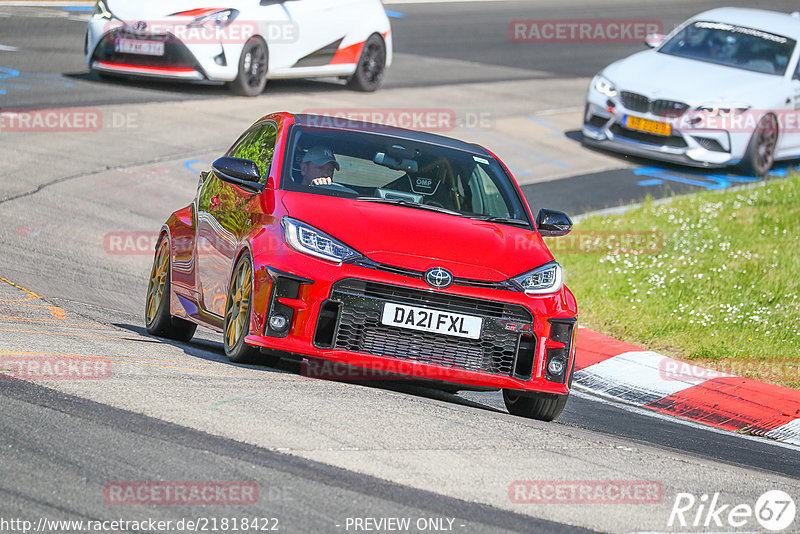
(652, 40)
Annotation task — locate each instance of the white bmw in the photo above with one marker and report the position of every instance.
(722, 89)
(241, 42)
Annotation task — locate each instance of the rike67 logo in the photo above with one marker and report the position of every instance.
(774, 511)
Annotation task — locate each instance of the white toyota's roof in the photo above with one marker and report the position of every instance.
(773, 22)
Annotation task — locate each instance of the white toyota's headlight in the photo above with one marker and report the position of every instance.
(220, 19)
(305, 238)
(101, 12)
(544, 279)
(605, 87)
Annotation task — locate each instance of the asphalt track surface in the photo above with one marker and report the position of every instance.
(58, 446)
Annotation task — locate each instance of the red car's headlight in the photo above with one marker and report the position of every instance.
(305, 238)
(545, 279)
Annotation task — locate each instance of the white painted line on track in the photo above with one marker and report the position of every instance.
(45, 3)
(556, 111)
(4, 48)
(398, 2)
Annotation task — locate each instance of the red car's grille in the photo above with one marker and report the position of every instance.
(360, 328)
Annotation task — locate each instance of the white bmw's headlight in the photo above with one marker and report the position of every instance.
(723, 109)
(305, 238)
(605, 87)
(544, 279)
(220, 19)
(101, 12)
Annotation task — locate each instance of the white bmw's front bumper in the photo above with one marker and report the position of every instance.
(604, 127)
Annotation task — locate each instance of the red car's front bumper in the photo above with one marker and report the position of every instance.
(334, 315)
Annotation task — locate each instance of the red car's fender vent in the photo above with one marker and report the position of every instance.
(559, 349)
(327, 323)
(280, 315)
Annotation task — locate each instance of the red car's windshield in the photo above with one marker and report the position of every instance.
(410, 173)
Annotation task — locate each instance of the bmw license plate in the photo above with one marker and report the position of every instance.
(434, 321)
(647, 126)
(139, 46)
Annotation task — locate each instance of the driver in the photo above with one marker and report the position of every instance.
(317, 166)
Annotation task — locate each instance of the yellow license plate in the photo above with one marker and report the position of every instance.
(646, 125)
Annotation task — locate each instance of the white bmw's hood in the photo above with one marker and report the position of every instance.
(657, 75)
(160, 9)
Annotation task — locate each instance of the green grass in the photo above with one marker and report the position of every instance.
(722, 292)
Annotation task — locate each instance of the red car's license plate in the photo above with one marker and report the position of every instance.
(435, 321)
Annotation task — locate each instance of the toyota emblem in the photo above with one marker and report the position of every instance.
(438, 278)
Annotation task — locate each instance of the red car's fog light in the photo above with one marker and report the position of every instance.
(559, 349)
(278, 322)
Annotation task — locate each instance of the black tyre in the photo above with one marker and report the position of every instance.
(760, 153)
(253, 65)
(371, 66)
(541, 406)
(156, 313)
(237, 314)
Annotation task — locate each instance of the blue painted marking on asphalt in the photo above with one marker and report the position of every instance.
(646, 183)
(28, 79)
(395, 14)
(189, 164)
(8, 73)
(706, 181)
(78, 8)
(544, 123)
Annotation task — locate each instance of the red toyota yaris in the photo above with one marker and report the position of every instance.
(380, 248)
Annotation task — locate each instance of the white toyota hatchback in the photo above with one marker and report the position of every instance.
(241, 42)
(722, 89)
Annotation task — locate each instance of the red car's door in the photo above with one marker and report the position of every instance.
(224, 218)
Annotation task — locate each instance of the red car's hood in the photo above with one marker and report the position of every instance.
(417, 239)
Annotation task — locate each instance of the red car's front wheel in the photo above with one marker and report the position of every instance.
(158, 320)
(541, 406)
(237, 313)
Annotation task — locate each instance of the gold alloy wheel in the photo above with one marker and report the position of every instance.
(158, 281)
(236, 314)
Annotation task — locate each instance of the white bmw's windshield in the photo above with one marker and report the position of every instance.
(732, 46)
